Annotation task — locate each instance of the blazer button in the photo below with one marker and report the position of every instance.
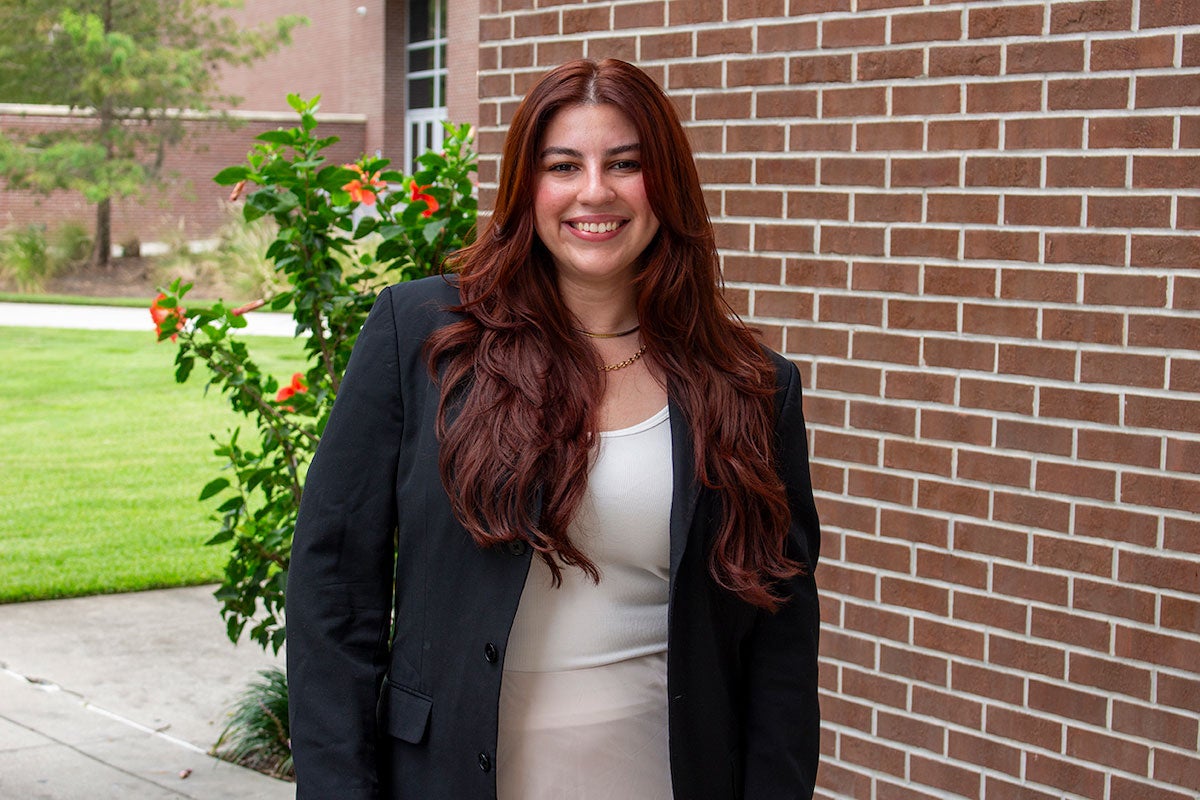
(485, 763)
(517, 547)
(491, 653)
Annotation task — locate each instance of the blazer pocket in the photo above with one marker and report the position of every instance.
(404, 712)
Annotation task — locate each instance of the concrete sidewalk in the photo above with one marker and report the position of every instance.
(119, 697)
(117, 318)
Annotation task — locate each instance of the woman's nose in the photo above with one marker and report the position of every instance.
(596, 188)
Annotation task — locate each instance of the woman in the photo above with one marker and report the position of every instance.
(538, 474)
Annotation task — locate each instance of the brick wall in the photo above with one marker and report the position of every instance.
(190, 205)
(974, 226)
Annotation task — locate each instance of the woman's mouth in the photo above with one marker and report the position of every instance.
(597, 227)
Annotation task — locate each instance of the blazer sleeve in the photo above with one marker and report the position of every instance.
(339, 586)
(783, 719)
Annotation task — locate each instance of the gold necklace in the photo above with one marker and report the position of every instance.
(618, 335)
(625, 363)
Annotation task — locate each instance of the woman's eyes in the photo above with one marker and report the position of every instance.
(625, 165)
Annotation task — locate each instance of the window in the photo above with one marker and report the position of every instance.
(426, 77)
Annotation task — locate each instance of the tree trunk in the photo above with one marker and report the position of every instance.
(103, 246)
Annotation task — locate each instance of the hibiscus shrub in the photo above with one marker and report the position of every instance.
(345, 231)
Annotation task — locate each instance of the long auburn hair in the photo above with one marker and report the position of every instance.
(524, 383)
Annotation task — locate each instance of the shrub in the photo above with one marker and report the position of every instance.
(333, 258)
(257, 735)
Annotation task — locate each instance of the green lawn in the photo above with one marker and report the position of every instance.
(102, 456)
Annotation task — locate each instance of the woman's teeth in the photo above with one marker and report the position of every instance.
(595, 227)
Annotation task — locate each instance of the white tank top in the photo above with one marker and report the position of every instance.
(623, 526)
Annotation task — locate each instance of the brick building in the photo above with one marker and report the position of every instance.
(976, 227)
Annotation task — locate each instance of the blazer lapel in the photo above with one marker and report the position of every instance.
(686, 491)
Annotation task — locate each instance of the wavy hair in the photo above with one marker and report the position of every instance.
(519, 386)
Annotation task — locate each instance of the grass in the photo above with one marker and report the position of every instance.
(75, 300)
(102, 456)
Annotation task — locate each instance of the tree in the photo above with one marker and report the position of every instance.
(131, 66)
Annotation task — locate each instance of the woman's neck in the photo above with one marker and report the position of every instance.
(600, 309)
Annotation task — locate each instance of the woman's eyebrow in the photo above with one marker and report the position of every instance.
(609, 153)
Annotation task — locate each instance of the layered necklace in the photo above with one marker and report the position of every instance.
(620, 364)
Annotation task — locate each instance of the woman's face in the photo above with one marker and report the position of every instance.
(590, 207)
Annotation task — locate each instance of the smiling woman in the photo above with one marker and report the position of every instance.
(605, 590)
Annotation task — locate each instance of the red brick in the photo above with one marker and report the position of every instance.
(1098, 327)
(1053, 55)
(1035, 512)
(886, 347)
(1014, 398)
(819, 204)
(919, 386)
(925, 242)
(876, 622)
(1033, 437)
(859, 240)
(754, 9)
(835, 68)
(1003, 171)
(926, 99)
(1168, 13)
(1000, 320)
(883, 417)
(1043, 209)
(1109, 675)
(789, 36)
(1177, 769)
(1044, 133)
(1127, 53)
(685, 11)
(1178, 574)
(725, 105)
(964, 60)
(994, 612)
(1131, 211)
(934, 495)
(885, 277)
(1027, 656)
(985, 752)
(1089, 93)
(755, 71)
(981, 681)
(1085, 171)
(995, 787)
(973, 134)
(927, 171)
(1156, 724)
(1185, 375)
(840, 711)
(876, 136)
(921, 667)
(783, 238)
(1070, 628)
(944, 705)
(870, 751)
(1161, 330)
(1004, 97)
(848, 378)
(1179, 692)
(1064, 775)
(913, 526)
(1181, 252)
(1019, 726)
(915, 595)
(1097, 15)
(856, 31)
(994, 468)
(869, 207)
(1179, 614)
(787, 103)
(1165, 172)
(1006, 20)
(1120, 448)
(1131, 132)
(851, 310)
(1037, 361)
(1113, 600)
(931, 26)
(817, 273)
(960, 354)
(1032, 584)
(1103, 249)
(1163, 413)
(1040, 285)
(693, 75)
(1188, 218)
(1066, 701)
(1081, 405)
(838, 446)
(904, 728)
(855, 583)
(808, 137)
(964, 208)
(1156, 648)
(957, 426)
(1123, 369)
(751, 269)
(876, 65)
(1078, 481)
(1167, 91)
(939, 565)
(944, 775)
(852, 171)
(544, 23)
(854, 102)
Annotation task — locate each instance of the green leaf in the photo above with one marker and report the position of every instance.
(279, 136)
(433, 229)
(213, 487)
(231, 175)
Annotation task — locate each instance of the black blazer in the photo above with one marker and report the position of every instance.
(411, 713)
